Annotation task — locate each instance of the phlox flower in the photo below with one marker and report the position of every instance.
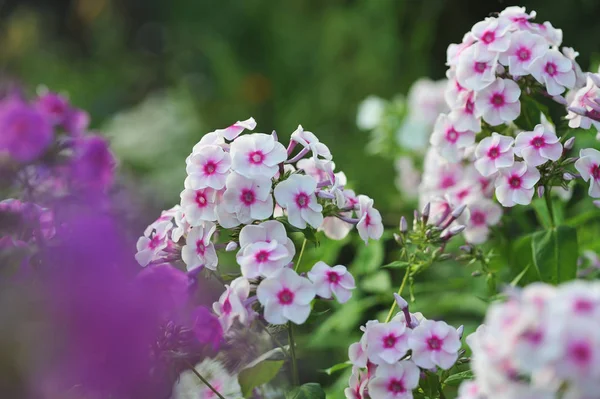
(198, 249)
(335, 228)
(454, 50)
(309, 141)
(448, 140)
(586, 98)
(199, 205)
(493, 33)
(395, 381)
(454, 90)
(518, 16)
(476, 67)
(151, 245)
(230, 306)
(55, 107)
(426, 100)
(578, 300)
(515, 184)
(370, 112)
(316, 168)
(588, 166)
(182, 227)
(470, 390)
(580, 345)
(357, 353)
(247, 199)
(387, 342)
(357, 384)
(493, 153)
(257, 155)
(554, 71)
(552, 35)
(231, 132)
(483, 213)
(285, 296)
(539, 146)
(464, 115)
(524, 48)
(499, 102)
(332, 281)
(297, 196)
(369, 220)
(189, 386)
(434, 343)
(208, 167)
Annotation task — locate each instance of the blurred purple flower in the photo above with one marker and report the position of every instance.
(24, 132)
(93, 164)
(168, 282)
(207, 327)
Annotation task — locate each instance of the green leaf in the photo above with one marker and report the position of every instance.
(456, 379)
(258, 375)
(530, 113)
(368, 257)
(337, 367)
(377, 283)
(307, 391)
(555, 254)
(397, 264)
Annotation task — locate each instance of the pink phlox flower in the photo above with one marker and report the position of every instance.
(199, 205)
(150, 246)
(230, 306)
(493, 33)
(357, 383)
(493, 153)
(286, 297)
(587, 98)
(257, 155)
(554, 71)
(208, 167)
(515, 184)
(247, 199)
(199, 249)
(498, 103)
(538, 147)
(524, 48)
(464, 114)
(448, 140)
(434, 343)
(394, 381)
(588, 166)
(476, 67)
(370, 225)
(518, 16)
(387, 342)
(297, 196)
(309, 141)
(233, 131)
(332, 281)
(483, 213)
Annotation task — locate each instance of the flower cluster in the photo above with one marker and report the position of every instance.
(257, 191)
(543, 342)
(388, 359)
(584, 108)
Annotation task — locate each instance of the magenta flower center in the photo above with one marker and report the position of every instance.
(227, 306)
(451, 135)
(210, 167)
(434, 343)
(302, 200)
(262, 256)
(480, 67)
(523, 53)
(256, 157)
(201, 199)
(247, 197)
(538, 142)
(469, 107)
(285, 296)
(478, 218)
(595, 172)
(494, 152)
(333, 277)
(514, 181)
(497, 100)
(447, 182)
(200, 247)
(583, 306)
(389, 341)
(533, 336)
(154, 242)
(550, 68)
(396, 386)
(488, 37)
(581, 353)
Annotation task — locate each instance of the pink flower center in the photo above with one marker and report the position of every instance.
(534, 337)
(302, 200)
(538, 142)
(451, 135)
(480, 67)
(488, 37)
(210, 167)
(469, 107)
(595, 172)
(514, 181)
(523, 53)
(396, 386)
(434, 343)
(262, 256)
(247, 197)
(447, 182)
(550, 68)
(256, 157)
(389, 341)
(200, 247)
(201, 200)
(494, 152)
(333, 277)
(285, 296)
(478, 218)
(581, 353)
(154, 242)
(583, 306)
(497, 100)
(227, 306)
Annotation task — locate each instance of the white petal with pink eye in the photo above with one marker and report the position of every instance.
(208, 167)
(476, 67)
(515, 184)
(234, 130)
(257, 155)
(553, 70)
(493, 33)
(309, 140)
(524, 47)
(493, 153)
(199, 250)
(434, 343)
(297, 196)
(588, 166)
(498, 103)
(449, 141)
(230, 305)
(332, 281)
(248, 199)
(199, 205)
(262, 258)
(539, 146)
(370, 225)
(395, 381)
(387, 342)
(285, 296)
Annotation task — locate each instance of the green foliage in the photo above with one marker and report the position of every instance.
(306, 391)
(258, 375)
(555, 254)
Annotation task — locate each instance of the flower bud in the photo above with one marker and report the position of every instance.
(568, 177)
(569, 143)
(456, 229)
(466, 248)
(476, 273)
(425, 212)
(403, 225)
(401, 302)
(540, 191)
(460, 331)
(458, 211)
(570, 160)
(398, 238)
(231, 246)
(274, 134)
(560, 99)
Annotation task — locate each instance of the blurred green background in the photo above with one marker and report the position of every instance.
(156, 75)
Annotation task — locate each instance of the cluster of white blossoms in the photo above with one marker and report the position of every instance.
(542, 343)
(388, 359)
(256, 190)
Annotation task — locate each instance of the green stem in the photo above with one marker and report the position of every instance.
(295, 378)
(549, 205)
(300, 256)
(205, 381)
(279, 344)
(389, 316)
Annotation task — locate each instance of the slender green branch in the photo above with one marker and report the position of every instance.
(204, 381)
(277, 342)
(295, 378)
(549, 205)
(389, 316)
(300, 256)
